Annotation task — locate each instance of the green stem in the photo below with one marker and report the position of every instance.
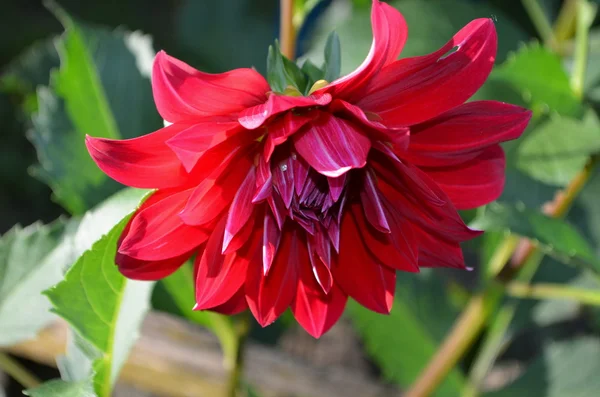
(540, 21)
(554, 291)
(564, 26)
(586, 13)
(494, 341)
(18, 372)
(237, 359)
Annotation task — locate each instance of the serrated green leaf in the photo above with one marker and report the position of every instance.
(333, 57)
(281, 72)
(103, 307)
(60, 388)
(565, 368)
(557, 150)
(403, 342)
(539, 76)
(101, 89)
(556, 237)
(31, 260)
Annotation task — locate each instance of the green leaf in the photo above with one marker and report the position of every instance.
(565, 368)
(60, 388)
(557, 150)
(431, 24)
(403, 342)
(313, 72)
(281, 72)
(539, 76)
(556, 237)
(103, 307)
(333, 57)
(31, 260)
(101, 89)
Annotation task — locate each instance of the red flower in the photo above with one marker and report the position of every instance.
(303, 201)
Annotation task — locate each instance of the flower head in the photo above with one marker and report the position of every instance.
(304, 201)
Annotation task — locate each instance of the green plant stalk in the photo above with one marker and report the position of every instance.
(18, 372)
(237, 370)
(554, 291)
(540, 21)
(586, 13)
(564, 26)
(494, 341)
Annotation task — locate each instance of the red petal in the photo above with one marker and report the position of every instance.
(460, 134)
(359, 274)
(255, 117)
(332, 146)
(389, 35)
(158, 233)
(271, 237)
(217, 191)
(183, 93)
(268, 296)
(218, 276)
(236, 304)
(145, 162)
(316, 311)
(371, 203)
(413, 90)
(437, 251)
(241, 208)
(192, 142)
(474, 183)
(281, 129)
(398, 249)
(283, 179)
(319, 251)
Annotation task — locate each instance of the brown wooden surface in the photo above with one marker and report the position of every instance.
(174, 358)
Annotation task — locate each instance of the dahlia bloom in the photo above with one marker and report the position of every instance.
(304, 201)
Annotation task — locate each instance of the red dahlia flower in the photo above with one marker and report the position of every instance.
(304, 201)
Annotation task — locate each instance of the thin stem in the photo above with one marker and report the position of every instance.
(237, 369)
(564, 26)
(464, 332)
(586, 13)
(554, 291)
(18, 372)
(287, 31)
(540, 21)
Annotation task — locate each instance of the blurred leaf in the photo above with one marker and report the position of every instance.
(539, 76)
(60, 388)
(333, 57)
(565, 368)
(312, 71)
(557, 150)
(31, 260)
(403, 342)
(556, 237)
(430, 24)
(101, 89)
(103, 307)
(517, 182)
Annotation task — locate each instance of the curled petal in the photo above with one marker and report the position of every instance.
(183, 93)
(316, 311)
(218, 276)
(389, 35)
(412, 90)
(268, 296)
(145, 162)
(158, 233)
(271, 237)
(332, 146)
(371, 203)
(474, 183)
(255, 117)
(460, 134)
(280, 130)
(191, 143)
(241, 208)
